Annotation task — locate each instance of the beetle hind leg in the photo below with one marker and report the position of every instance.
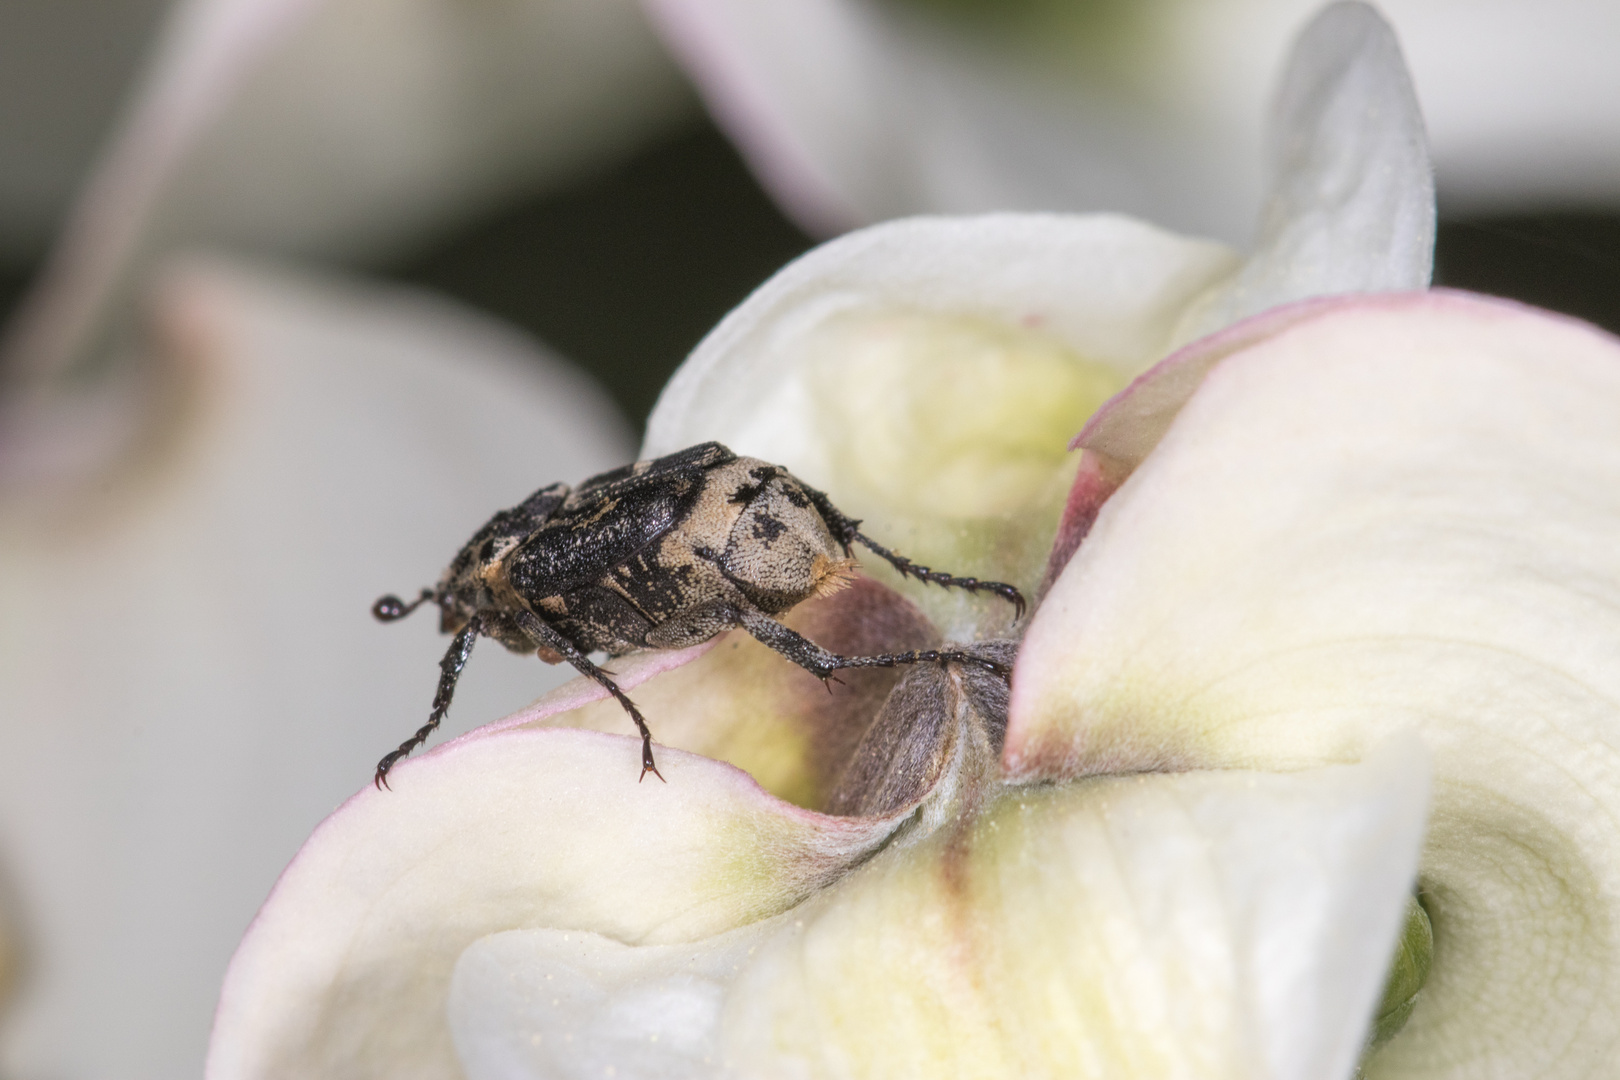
(551, 637)
(455, 658)
(822, 663)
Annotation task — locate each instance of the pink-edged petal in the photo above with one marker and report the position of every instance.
(345, 971)
(628, 672)
(1130, 425)
(206, 50)
(1398, 511)
(1350, 206)
(1097, 479)
(1216, 924)
(192, 675)
(927, 374)
(754, 64)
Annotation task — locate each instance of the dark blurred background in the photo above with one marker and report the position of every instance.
(625, 272)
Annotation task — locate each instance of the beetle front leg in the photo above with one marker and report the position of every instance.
(537, 627)
(822, 663)
(455, 658)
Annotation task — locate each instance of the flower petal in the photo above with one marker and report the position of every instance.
(1396, 511)
(928, 373)
(1225, 924)
(1125, 430)
(563, 1004)
(1351, 201)
(852, 113)
(344, 972)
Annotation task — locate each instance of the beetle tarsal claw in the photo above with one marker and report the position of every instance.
(664, 554)
(647, 765)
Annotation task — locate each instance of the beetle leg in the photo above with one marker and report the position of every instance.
(821, 663)
(908, 568)
(549, 635)
(455, 658)
(847, 531)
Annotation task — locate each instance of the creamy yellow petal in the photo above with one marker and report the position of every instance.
(927, 374)
(1204, 925)
(1398, 511)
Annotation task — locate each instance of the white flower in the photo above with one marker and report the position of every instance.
(994, 337)
(1217, 923)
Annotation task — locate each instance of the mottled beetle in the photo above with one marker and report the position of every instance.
(660, 554)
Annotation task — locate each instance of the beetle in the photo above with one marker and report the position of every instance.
(659, 554)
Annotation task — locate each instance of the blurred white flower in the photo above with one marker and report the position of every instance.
(192, 676)
(853, 111)
(208, 470)
(351, 129)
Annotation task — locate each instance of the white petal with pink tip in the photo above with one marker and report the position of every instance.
(344, 972)
(1398, 511)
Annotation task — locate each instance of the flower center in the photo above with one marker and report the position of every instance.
(1407, 973)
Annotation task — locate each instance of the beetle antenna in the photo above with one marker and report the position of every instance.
(391, 607)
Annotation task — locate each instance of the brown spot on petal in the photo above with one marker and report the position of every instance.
(863, 619)
(905, 751)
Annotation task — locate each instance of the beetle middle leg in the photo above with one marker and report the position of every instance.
(537, 627)
(455, 658)
(822, 663)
